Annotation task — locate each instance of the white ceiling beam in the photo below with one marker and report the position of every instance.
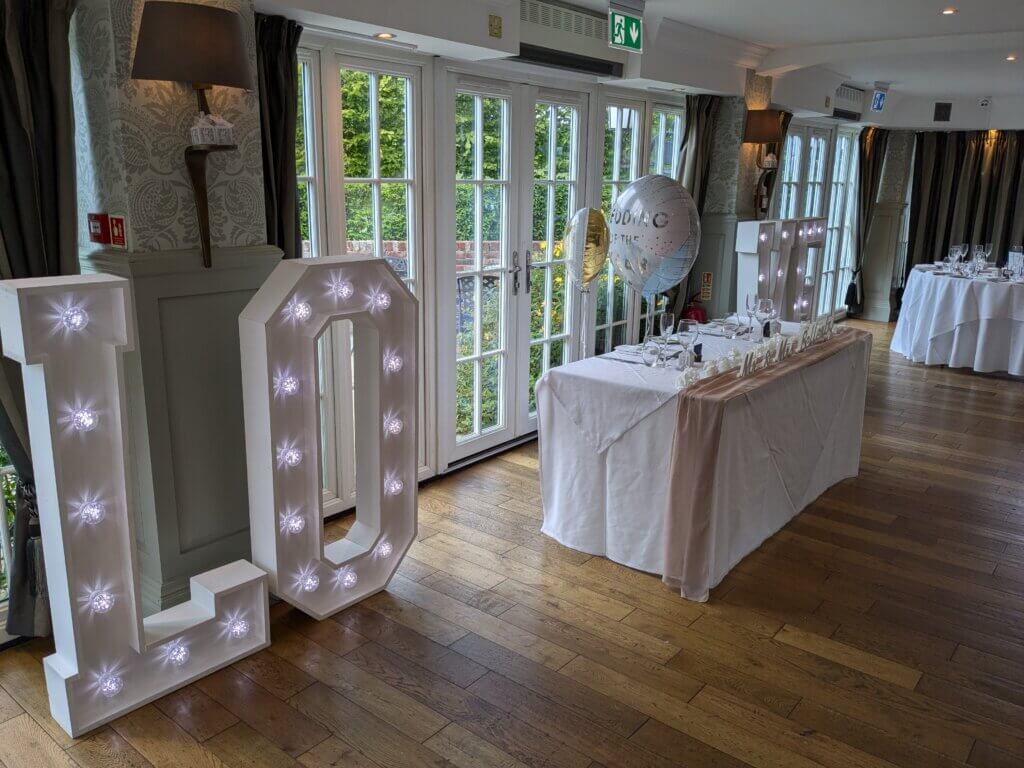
(783, 60)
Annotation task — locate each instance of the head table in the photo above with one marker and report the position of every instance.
(686, 483)
(962, 322)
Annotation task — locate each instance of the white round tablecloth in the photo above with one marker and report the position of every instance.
(962, 323)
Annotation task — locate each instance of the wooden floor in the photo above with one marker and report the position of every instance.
(884, 626)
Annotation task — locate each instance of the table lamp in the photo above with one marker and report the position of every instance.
(203, 46)
(764, 126)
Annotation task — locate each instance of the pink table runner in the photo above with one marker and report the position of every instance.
(794, 403)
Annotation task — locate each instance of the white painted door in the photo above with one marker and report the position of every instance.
(509, 179)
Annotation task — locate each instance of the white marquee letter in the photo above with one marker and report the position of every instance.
(69, 334)
(279, 331)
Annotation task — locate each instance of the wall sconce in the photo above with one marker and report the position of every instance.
(204, 46)
(764, 126)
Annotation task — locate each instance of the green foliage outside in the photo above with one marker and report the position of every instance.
(7, 487)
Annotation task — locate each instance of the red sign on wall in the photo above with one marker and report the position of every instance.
(118, 236)
(99, 228)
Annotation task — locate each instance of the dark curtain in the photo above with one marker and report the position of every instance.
(277, 43)
(37, 239)
(968, 188)
(871, 156)
(695, 168)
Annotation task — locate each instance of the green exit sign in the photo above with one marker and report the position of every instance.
(625, 30)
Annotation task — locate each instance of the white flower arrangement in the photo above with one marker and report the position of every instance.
(688, 378)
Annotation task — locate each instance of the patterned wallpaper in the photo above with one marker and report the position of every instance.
(725, 156)
(758, 95)
(131, 136)
(899, 151)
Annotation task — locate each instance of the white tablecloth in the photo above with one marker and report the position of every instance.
(962, 323)
(606, 436)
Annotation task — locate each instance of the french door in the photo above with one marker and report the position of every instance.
(510, 176)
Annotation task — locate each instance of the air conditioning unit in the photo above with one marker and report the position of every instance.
(848, 103)
(564, 36)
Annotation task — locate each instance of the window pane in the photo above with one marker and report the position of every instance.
(601, 292)
(304, 223)
(537, 302)
(465, 228)
(359, 219)
(564, 118)
(355, 116)
(490, 310)
(562, 193)
(490, 391)
(542, 120)
(600, 341)
(465, 386)
(392, 100)
(559, 318)
(628, 149)
(491, 223)
(540, 220)
(464, 136)
(394, 204)
(465, 316)
(301, 166)
(493, 138)
(536, 368)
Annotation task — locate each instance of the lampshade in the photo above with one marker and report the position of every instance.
(764, 126)
(191, 43)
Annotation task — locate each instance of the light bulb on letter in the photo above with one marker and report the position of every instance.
(289, 457)
(292, 522)
(74, 319)
(381, 300)
(238, 628)
(110, 685)
(84, 419)
(347, 578)
(340, 288)
(298, 310)
(101, 601)
(392, 363)
(92, 512)
(383, 549)
(177, 653)
(310, 582)
(393, 486)
(393, 425)
(286, 385)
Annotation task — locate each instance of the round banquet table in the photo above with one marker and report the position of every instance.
(962, 323)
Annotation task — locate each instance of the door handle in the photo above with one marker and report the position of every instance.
(514, 270)
(528, 270)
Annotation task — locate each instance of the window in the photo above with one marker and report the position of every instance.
(839, 242)
(621, 166)
(789, 184)
(481, 226)
(305, 159)
(376, 134)
(805, 162)
(666, 141)
(555, 176)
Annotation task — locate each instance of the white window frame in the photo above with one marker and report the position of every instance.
(327, 55)
(7, 556)
(802, 184)
(838, 242)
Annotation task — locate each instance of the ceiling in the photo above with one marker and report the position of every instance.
(974, 64)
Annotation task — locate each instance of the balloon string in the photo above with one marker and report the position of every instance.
(584, 321)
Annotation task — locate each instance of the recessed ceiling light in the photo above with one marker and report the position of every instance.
(385, 35)
(950, 11)
(1012, 57)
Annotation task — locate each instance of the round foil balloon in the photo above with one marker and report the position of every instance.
(586, 245)
(655, 234)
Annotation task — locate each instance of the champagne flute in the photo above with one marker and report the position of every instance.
(764, 310)
(751, 306)
(667, 323)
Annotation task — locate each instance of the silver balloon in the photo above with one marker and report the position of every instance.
(655, 234)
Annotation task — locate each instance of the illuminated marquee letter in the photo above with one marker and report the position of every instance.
(69, 334)
(279, 332)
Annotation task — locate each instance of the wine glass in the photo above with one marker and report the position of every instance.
(666, 322)
(763, 312)
(751, 306)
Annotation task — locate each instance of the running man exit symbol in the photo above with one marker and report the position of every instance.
(625, 30)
